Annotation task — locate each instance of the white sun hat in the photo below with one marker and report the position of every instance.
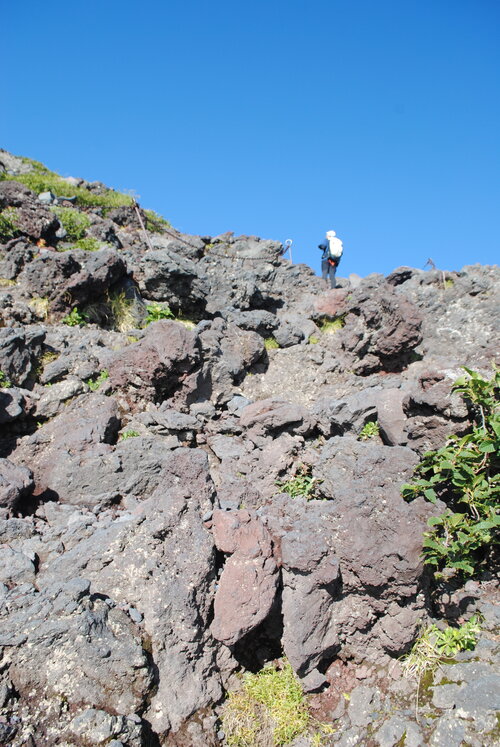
(330, 234)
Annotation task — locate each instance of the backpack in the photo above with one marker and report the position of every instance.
(335, 248)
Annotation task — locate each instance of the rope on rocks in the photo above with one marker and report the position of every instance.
(178, 238)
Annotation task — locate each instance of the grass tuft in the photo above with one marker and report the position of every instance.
(122, 312)
(269, 710)
(331, 326)
(270, 343)
(155, 223)
(43, 180)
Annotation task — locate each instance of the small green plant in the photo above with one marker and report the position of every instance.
(313, 340)
(73, 221)
(154, 222)
(8, 224)
(301, 484)
(4, 381)
(95, 382)
(129, 434)
(270, 343)
(330, 326)
(369, 430)
(89, 244)
(434, 646)
(269, 710)
(75, 318)
(465, 475)
(157, 311)
(122, 311)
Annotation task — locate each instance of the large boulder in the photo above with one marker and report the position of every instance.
(157, 365)
(249, 579)
(60, 449)
(160, 565)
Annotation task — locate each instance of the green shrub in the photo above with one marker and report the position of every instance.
(465, 475)
(157, 311)
(301, 484)
(8, 226)
(73, 221)
(95, 381)
(154, 222)
(269, 710)
(369, 430)
(4, 381)
(75, 319)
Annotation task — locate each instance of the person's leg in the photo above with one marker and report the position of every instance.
(324, 270)
(333, 281)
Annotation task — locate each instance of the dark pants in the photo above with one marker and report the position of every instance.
(328, 269)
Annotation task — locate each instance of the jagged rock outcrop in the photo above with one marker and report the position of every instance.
(149, 543)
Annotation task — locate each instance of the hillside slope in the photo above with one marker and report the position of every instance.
(188, 487)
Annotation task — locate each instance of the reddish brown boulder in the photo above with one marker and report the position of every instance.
(248, 583)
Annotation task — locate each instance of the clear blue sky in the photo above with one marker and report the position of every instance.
(377, 118)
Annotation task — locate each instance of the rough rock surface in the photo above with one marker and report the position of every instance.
(149, 544)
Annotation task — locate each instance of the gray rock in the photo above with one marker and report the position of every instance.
(16, 567)
(16, 483)
(397, 727)
(98, 727)
(449, 731)
(364, 705)
(19, 350)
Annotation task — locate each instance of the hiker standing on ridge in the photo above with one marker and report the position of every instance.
(332, 251)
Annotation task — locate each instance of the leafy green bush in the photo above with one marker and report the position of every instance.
(8, 226)
(73, 221)
(369, 430)
(95, 382)
(75, 319)
(4, 381)
(434, 646)
(269, 710)
(465, 475)
(157, 311)
(302, 484)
